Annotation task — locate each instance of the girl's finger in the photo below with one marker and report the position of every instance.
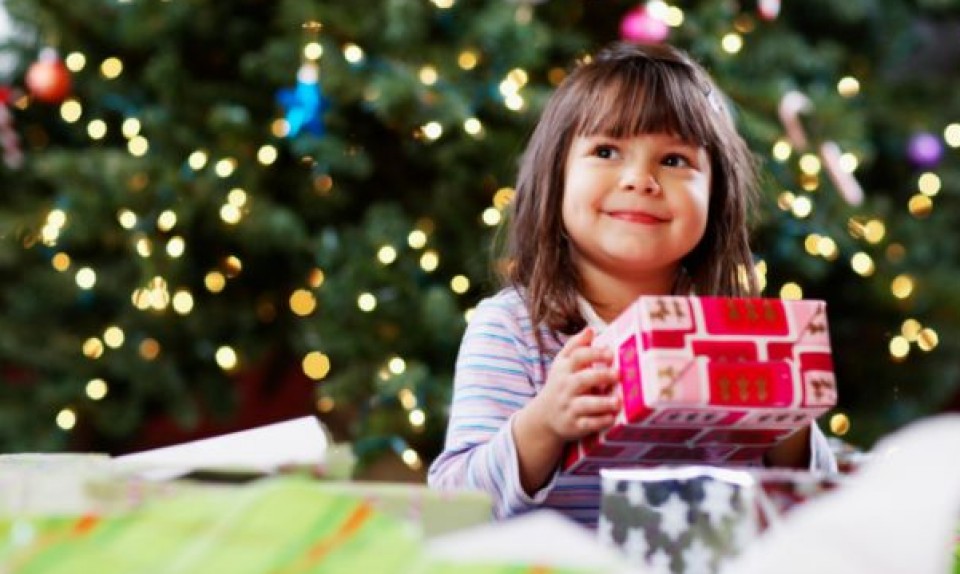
(581, 339)
(584, 357)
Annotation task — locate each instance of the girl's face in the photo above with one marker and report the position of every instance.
(633, 207)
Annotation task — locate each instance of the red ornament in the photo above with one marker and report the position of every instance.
(48, 79)
(641, 27)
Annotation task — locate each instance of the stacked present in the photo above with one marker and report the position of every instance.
(711, 380)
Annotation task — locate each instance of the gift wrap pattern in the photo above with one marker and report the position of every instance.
(684, 520)
(711, 379)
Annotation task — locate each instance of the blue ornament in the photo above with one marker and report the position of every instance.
(305, 103)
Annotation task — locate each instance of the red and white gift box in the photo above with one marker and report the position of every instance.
(713, 380)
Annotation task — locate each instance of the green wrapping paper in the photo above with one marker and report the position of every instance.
(281, 526)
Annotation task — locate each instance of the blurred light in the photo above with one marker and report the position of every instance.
(237, 197)
(410, 456)
(138, 146)
(417, 417)
(387, 254)
(280, 128)
(428, 75)
(313, 51)
(97, 129)
(472, 126)
(827, 248)
(802, 207)
(60, 261)
(230, 214)
(785, 200)
(928, 339)
(130, 127)
(66, 419)
(176, 246)
(899, 348)
(316, 365)
(417, 239)
(920, 206)
(215, 281)
(951, 134)
(848, 86)
(732, 43)
(182, 302)
(86, 278)
(397, 365)
(111, 68)
(809, 164)
(267, 154)
(849, 162)
(113, 336)
(197, 160)
(144, 247)
(352, 53)
(93, 348)
(910, 329)
(811, 244)
(874, 231)
(468, 314)
(149, 349)
(443, 4)
(514, 102)
(862, 264)
(929, 184)
(467, 60)
(491, 216)
(782, 150)
(302, 302)
(902, 286)
(316, 277)
(326, 404)
(460, 284)
(895, 252)
(503, 197)
(71, 110)
(673, 17)
(127, 218)
(366, 302)
(226, 358)
(429, 260)
(75, 61)
(839, 424)
(791, 291)
(166, 220)
(96, 389)
(407, 399)
(225, 167)
(432, 130)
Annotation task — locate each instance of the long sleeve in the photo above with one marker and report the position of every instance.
(498, 371)
(822, 458)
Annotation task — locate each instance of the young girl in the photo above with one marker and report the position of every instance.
(635, 182)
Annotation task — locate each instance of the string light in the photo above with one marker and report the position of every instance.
(429, 260)
(96, 389)
(459, 284)
(226, 358)
(166, 220)
(791, 291)
(732, 43)
(316, 365)
(782, 150)
(92, 348)
(197, 160)
(491, 216)
(862, 264)
(149, 349)
(182, 302)
(302, 302)
(417, 239)
(902, 286)
(353, 53)
(138, 146)
(176, 246)
(367, 302)
(899, 348)
(75, 61)
(111, 68)
(951, 135)
(397, 365)
(130, 127)
(848, 86)
(113, 336)
(386, 254)
(839, 424)
(410, 456)
(66, 419)
(225, 167)
(60, 261)
(929, 184)
(71, 110)
(267, 154)
(97, 129)
(86, 278)
(801, 207)
(468, 60)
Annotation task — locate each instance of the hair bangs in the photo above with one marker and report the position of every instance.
(647, 99)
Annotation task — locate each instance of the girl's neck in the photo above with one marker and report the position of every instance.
(610, 296)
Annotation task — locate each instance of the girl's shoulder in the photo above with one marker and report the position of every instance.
(507, 304)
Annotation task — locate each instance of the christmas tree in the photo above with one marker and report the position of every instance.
(215, 214)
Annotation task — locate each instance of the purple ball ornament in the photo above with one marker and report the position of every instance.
(924, 150)
(641, 27)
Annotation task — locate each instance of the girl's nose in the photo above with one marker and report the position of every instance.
(635, 178)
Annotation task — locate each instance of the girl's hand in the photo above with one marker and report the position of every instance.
(581, 394)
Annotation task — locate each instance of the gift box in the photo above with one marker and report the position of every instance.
(711, 379)
(680, 520)
(780, 491)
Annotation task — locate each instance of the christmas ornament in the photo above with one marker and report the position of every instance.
(48, 79)
(924, 150)
(9, 140)
(847, 185)
(768, 9)
(792, 104)
(305, 103)
(642, 27)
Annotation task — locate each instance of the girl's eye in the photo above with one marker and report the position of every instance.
(676, 160)
(605, 151)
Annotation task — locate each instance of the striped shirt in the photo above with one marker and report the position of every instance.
(499, 370)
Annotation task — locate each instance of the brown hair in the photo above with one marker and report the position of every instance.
(628, 90)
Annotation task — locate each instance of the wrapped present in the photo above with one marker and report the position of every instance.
(680, 520)
(711, 380)
(780, 490)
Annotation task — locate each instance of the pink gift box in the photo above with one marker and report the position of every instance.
(713, 380)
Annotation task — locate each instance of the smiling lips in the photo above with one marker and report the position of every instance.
(642, 217)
